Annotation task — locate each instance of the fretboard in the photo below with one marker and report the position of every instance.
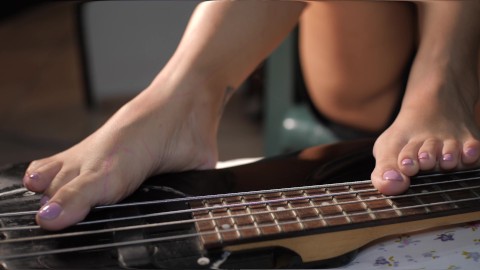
(331, 207)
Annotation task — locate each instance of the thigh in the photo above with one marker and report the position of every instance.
(353, 57)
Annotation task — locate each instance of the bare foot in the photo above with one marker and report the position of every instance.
(435, 130)
(155, 132)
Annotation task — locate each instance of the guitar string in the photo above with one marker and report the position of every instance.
(268, 191)
(13, 192)
(239, 194)
(344, 183)
(215, 196)
(292, 199)
(215, 218)
(249, 204)
(203, 197)
(200, 234)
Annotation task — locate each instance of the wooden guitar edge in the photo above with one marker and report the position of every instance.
(330, 245)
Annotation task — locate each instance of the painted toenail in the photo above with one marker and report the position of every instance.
(471, 152)
(34, 176)
(423, 155)
(447, 157)
(44, 200)
(407, 162)
(392, 175)
(50, 211)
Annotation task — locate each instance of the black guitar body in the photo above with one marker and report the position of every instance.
(318, 165)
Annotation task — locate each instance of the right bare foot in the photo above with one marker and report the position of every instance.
(158, 131)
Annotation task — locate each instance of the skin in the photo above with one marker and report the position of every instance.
(171, 125)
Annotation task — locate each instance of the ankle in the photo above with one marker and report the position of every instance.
(443, 86)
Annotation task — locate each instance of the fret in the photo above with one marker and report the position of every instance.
(242, 221)
(376, 202)
(261, 214)
(353, 207)
(224, 222)
(371, 215)
(460, 195)
(205, 225)
(278, 209)
(269, 208)
(427, 197)
(294, 194)
(405, 202)
(445, 196)
(262, 218)
(265, 219)
(449, 193)
(475, 190)
(324, 207)
(420, 199)
(340, 220)
(449, 188)
(307, 214)
(246, 231)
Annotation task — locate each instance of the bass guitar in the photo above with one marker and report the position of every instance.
(312, 208)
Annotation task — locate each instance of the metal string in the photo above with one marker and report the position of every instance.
(263, 202)
(199, 234)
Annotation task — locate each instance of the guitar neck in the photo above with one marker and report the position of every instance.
(243, 220)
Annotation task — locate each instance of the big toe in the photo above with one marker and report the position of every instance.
(68, 206)
(386, 176)
(389, 181)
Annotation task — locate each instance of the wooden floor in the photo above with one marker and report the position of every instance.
(42, 105)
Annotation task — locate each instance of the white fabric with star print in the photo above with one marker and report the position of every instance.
(452, 248)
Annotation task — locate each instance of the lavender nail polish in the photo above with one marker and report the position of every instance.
(33, 176)
(50, 211)
(407, 162)
(447, 157)
(423, 155)
(44, 200)
(471, 152)
(392, 175)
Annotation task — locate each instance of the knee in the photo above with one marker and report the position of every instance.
(352, 93)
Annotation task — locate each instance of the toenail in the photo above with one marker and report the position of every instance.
(392, 175)
(33, 176)
(50, 211)
(423, 155)
(447, 157)
(472, 152)
(44, 200)
(407, 162)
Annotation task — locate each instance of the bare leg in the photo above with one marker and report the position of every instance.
(354, 55)
(360, 51)
(436, 127)
(170, 126)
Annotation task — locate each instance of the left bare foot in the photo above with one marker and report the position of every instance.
(435, 129)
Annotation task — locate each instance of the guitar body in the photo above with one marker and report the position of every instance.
(135, 233)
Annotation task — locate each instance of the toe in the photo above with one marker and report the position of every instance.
(450, 155)
(386, 176)
(40, 174)
(64, 176)
(68, 206)
(428, 154)
(389, 181)
(408, 159)
(471, 152)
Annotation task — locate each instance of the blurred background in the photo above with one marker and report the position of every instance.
(57, 86)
